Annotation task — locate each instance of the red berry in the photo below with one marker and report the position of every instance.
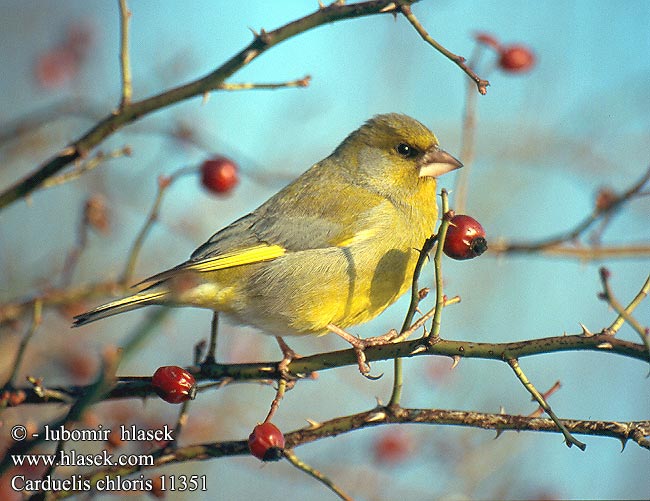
(219, 175)
(266, 442)
(465, 238)
(392, 447)
(174, 384)
(516, 59)
(56, 67)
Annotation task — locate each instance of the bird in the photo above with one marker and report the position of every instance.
(336, 246)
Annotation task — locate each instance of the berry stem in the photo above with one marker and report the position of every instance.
(125, 64)
(570, 439)
(313, 472)
(481, 84)
(434, 336)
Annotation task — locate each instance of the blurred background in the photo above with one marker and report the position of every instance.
(546, 142)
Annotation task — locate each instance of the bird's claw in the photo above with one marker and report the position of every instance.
(359, 345)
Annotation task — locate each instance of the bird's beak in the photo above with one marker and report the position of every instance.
(437, 162)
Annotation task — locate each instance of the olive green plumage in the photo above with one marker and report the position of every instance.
(336, 246)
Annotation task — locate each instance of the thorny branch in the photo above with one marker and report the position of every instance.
(138, 387)
(638, 431)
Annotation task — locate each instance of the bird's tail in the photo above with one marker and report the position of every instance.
(129, 303)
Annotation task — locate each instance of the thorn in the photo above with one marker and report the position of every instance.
(391, 6)
(264, 37)
(304, 82)
(313, 425)
(585, 332)
(499, 433)
(418, 349)
(455, 362)
(250, 55)
(371, 377)
(70, 150)
(376, 416)
(502, 409)
(321, 5)
(255, 33)
(206, 97)
(604, 273)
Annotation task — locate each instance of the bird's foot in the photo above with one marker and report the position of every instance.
(359, 345)
(286, 381)
(288, 355)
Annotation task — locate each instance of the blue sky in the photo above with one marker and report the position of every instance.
(545, 143)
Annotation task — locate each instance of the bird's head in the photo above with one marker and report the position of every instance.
(395, 155)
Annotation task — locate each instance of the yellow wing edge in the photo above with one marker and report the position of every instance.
(251, 255)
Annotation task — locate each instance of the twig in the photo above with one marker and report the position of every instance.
(183, 415)
(279, 395)
(164, 182)
(407, 329)
(456, 59)
(570, 439)
(437, 263)
(415, 287)
(599, 212)
(99, 158)
(301, 82)
(313, 472)
(590, 253)
(539, 411)
(60, 297)
(125, 65)
(396, 393)
(210, 356)
(467, 138)
(37, 318)
(92, 206)
(624, 313)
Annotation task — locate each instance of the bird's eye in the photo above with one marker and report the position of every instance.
(405, 150)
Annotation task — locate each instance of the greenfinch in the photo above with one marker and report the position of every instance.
(335, 247)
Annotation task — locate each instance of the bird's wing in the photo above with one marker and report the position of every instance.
(252, 240)
(301, 216)
(304, 215)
